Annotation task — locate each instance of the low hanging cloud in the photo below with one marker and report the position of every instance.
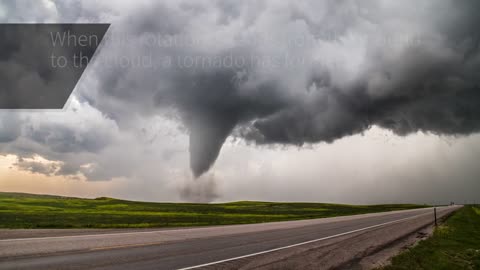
(37, 166)
(10, 128)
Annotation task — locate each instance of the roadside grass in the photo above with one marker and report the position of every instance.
(18, 210)
(454, 245)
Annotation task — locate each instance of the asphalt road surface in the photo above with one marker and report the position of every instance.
(265, 246)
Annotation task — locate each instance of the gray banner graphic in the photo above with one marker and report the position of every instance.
(40, 64)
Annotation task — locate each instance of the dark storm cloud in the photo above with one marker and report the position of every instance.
(342, 87)
(400, 65)
(432, 100)
(432, 86)
(428, 84)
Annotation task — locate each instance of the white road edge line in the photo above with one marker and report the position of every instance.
(156, 231)
(302, 243)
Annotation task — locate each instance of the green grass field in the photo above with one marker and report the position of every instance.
(454, 245)
(42, 211)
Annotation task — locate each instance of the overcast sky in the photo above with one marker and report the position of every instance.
(372, 101)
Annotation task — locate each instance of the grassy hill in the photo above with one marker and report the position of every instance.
(454, 245)
(18, 210)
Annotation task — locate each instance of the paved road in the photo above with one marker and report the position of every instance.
(222, 247)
